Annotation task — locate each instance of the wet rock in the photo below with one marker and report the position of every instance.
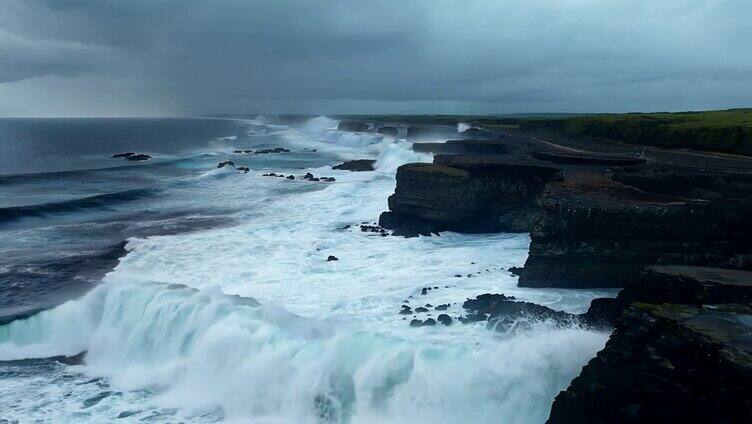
(428, 322)
(238, 151)
(138, 158)
(424, 291)
(243, 169)
(506, 314)
(122, 155)
(274, 150)
(359, 165)
(405, 226)
(421, 309)
(226, 163)
(247, 151)
(352, 126)
(290, 177)
(682, 284)
(331, 258)
(328, 179)
(471, 318)
(406, 310)
(444, 319)
(308, 176)
(667, 363)
(416, 323)
(443, 307)
(388, 131)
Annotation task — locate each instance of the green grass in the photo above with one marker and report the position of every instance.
(728, 131)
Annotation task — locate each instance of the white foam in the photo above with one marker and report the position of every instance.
(203, 351)
(326, 330)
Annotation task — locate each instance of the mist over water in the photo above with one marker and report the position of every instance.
(223, 307)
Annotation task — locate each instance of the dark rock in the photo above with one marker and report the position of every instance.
(238, 151)
(505, 314)
(421, 309)
(352, 126)
(424, 291)
(328, 179)
(443, 307)
(428, 322)
(406, 310)
(416, 323)
(470, 196)
(122, 155)
(595, 232)
(667, 363)
(359, 165)
(247, 151)
(406, 226)
(444, 319)
(463, 147)
(308, 176)
(471, 318)
(589, 159)
(274, 150)
(138, 158)
(331, 258)
(290, 177)
(674, 284)
(226, 163)
(392, 132)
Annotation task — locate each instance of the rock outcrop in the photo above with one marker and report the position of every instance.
(691, 285)
(504, 314)
(470, 194)
(667, 363)
(596, 232)
(358, 165)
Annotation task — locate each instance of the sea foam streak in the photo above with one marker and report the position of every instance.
(325, 342)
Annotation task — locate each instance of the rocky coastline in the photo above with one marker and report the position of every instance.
(670, 228)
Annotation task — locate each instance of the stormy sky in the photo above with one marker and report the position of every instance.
(188, 57)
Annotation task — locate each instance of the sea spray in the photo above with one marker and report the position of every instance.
(173, 333)
(202, 350)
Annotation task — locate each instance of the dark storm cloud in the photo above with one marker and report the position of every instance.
(143, 57)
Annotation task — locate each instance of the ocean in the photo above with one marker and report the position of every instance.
(203, 294)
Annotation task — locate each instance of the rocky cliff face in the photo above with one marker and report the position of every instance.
(667, 363)
(469, 194)
(691, 285)
(596, 232)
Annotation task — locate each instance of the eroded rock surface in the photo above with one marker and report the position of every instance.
(667, 363)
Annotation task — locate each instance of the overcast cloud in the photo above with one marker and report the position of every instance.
(185, 57)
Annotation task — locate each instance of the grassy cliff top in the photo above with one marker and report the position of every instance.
(679, 120)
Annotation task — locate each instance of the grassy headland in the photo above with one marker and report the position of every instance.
(728, 131)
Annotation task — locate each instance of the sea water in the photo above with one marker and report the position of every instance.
(203, 294)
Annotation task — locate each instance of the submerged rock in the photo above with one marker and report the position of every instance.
(274, 150)
(226, 163)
